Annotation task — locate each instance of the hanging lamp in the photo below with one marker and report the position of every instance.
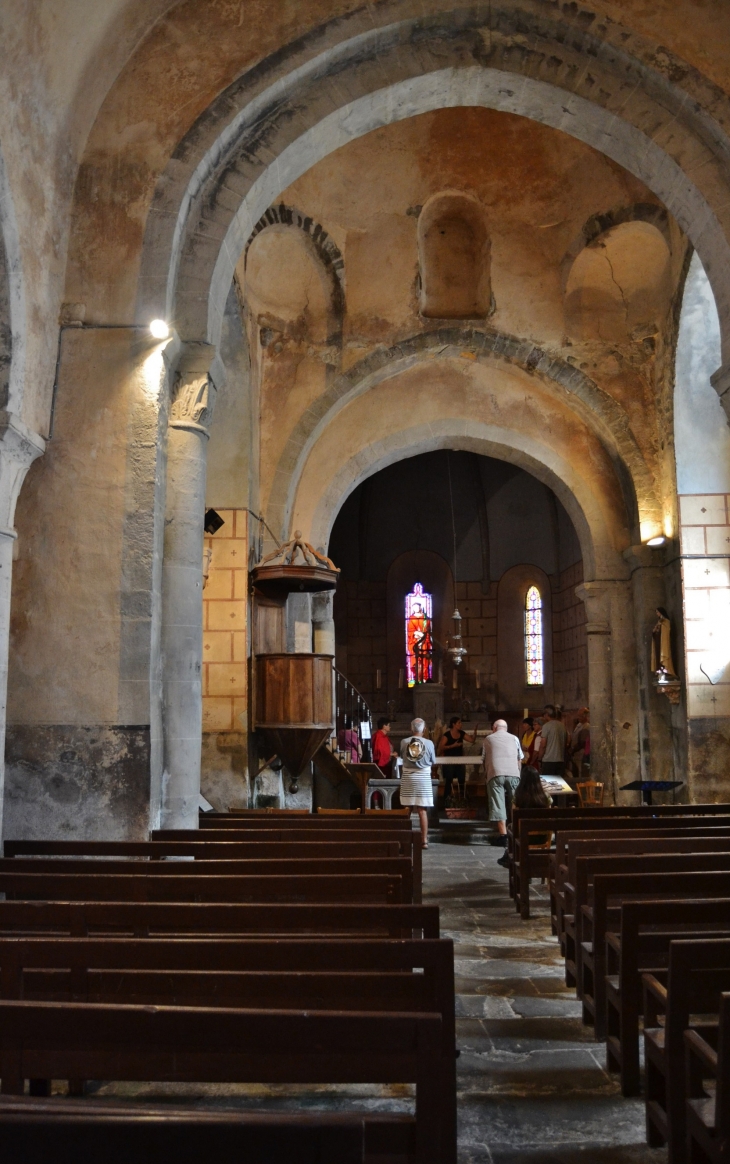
(457, 651)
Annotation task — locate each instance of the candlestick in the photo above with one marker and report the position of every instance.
(455, 679)
(400, 678)
(479, 680)
(526, 713)
(378, 679)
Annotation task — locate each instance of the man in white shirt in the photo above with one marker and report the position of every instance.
(502, 757)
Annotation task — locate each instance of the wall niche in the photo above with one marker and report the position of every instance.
(454, 258)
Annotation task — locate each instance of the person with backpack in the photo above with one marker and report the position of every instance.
(419, 756)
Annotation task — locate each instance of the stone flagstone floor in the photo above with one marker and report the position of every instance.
(532, 1083)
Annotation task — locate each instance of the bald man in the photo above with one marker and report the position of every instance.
(502, 757)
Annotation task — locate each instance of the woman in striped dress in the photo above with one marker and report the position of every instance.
(418, 755)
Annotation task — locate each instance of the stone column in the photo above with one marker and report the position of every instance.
(19, 447)
(193, 397)
(612, 686)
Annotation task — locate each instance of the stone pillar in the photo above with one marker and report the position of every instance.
(193, 397)
(612, 686)
(19, 447)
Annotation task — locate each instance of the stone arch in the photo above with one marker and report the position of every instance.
(649, 212)
(596, 406)
(325, 247)
(546, 55)
(618, 284)
(599, 555)
(453, 251)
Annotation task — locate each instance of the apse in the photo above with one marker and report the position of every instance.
(509, 560)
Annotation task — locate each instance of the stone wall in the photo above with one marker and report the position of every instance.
(224, 773)
(570, 651)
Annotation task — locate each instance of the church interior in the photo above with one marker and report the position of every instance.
(365, 368)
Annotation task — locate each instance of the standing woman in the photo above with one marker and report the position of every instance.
(419, 756)
(452, 744)
(530, 741)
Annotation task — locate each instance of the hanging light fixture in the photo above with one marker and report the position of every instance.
(457, 651)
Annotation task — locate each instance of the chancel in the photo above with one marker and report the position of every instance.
(365, 365)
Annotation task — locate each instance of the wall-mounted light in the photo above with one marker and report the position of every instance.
(212, 521)
(657, 541)
(159, 329)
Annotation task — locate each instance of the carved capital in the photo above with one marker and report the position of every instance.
(19, 447)
(193, 393)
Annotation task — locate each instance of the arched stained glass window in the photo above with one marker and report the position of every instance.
(419, 636)
(533, 638)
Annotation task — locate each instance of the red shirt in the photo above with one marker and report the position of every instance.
(382, 749)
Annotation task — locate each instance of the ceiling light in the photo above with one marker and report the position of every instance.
(658, 541)
(159, 329)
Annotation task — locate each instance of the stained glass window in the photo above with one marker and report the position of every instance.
(533, 638)
(419, 636)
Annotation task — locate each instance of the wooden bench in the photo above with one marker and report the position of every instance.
(525, 863)
(588, 928)
(88, 1041)
(280, 974)
(564, 838)
(641, 945)
(306, 820)
(158, 919)
(407, 840)
(610, 891)
(628, 847)
(273, 867)
(41, 1132)
(699, 971)
(368, 887)
(708, 1112)
(205, 850)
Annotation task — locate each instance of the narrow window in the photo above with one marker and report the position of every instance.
(419, 636)
(533, 638)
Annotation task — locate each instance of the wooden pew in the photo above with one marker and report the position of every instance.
(589, 940)
(88, 1041)
(41, 1132)
(627, 847)
(699, 971)
(408, 841)
(610, 890)
(369, 887)
(205, 850)
(708, 1112)
(274, 867)
(526, 863)
(158, 919)
(641, 945)
(564, 838)
(308, 820)
(352, 975)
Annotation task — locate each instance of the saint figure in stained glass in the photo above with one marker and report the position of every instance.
(419, 636)
(533, 638)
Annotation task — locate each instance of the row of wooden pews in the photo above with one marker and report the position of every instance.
(640, 903)
(257, 949)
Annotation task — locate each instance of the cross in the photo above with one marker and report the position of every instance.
(703, 510)
(707, 571)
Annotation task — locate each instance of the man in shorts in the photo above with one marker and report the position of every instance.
(502, 758)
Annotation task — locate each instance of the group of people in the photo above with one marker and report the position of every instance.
(513, 765)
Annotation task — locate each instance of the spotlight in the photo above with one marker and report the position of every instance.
(213, 521)
(159, 329)
(658, 541)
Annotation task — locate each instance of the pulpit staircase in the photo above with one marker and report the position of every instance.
(350, 705)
